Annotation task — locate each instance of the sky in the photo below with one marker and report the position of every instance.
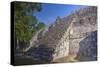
(50, 12)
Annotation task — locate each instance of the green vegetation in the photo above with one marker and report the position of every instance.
(25, 23)
(58, 19)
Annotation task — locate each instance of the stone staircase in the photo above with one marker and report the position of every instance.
(64, 37)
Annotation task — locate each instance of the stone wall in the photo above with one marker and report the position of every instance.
(81, 27)
(65, 38)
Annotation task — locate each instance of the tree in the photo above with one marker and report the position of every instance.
(24, 21)
(58, 19)
(40, 25)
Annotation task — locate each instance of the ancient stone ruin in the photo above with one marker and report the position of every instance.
(74, 37)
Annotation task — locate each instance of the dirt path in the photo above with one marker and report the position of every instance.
(65, 59)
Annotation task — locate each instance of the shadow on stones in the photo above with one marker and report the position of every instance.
(88, 48)
(42, 53)
(36, 55)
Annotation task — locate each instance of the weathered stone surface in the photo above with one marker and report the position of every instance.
(69, 36)
(88, 47)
